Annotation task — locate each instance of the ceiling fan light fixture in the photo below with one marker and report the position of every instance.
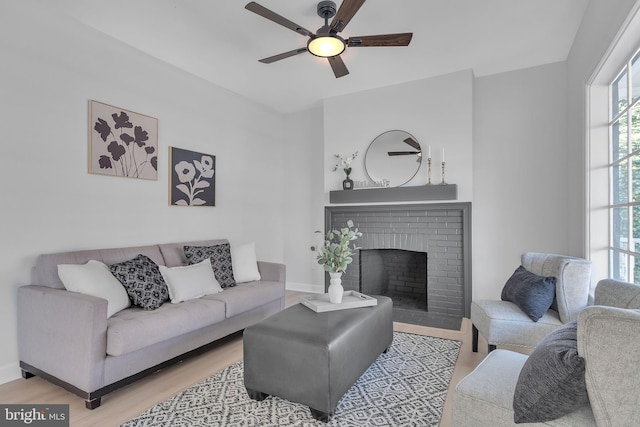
(326, 45)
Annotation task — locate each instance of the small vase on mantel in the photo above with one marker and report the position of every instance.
(335, 288)
(347, 184)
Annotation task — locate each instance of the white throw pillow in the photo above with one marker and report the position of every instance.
(244, 262)
(94, 278)
(190, 281)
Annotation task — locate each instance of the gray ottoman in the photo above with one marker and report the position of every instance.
(314, 358)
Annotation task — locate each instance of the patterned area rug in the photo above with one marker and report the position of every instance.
(406, 386)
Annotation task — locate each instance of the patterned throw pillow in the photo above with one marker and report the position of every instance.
(142, 279)
(220, 261)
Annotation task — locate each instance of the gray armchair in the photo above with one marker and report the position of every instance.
(503, 323)
(607, 339)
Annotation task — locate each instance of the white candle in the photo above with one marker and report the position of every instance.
(443, 155)
(429, 150)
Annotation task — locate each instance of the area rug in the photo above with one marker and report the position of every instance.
(407, 386)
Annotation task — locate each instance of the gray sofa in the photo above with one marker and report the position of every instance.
(608, 337)
(66, 337)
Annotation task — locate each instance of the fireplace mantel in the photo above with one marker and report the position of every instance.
(396, 194)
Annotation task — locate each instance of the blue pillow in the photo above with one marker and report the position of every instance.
(552, 381)
(533, 294)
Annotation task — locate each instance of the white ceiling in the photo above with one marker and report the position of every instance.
(220, 41)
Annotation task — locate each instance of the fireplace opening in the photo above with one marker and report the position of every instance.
(396, 273)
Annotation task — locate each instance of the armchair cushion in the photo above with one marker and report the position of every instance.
(551, 383)
(532, 293)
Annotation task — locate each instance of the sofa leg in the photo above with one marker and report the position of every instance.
(26, 374)
(474, 338)
(92, 403)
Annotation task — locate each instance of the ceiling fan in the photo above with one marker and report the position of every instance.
(326, 42)
(412, 143)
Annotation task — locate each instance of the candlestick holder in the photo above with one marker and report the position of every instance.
(429, 171)
(443, 181)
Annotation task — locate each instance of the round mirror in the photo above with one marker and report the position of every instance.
(393, 158)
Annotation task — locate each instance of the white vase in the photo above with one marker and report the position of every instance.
(335, 288)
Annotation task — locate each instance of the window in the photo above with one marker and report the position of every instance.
(624, 172)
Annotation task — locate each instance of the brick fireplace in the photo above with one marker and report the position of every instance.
(440, 232)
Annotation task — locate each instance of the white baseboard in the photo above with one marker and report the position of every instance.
(10, 372)
(305, 287)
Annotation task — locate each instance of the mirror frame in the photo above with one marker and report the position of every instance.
(398, 169)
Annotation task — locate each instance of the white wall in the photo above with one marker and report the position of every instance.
(519, 171)
(304, 203)
(436, 111)
(50, 69)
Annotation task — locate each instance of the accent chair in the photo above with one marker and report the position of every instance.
(503, 323)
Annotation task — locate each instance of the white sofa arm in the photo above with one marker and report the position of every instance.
(608, 340)
(63, 334)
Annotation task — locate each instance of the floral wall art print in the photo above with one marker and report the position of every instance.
(122, 143)
(192, 181)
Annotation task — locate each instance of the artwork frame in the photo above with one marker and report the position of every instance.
(192, 180)
(122, 142)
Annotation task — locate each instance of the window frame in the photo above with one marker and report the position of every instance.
(623, 259)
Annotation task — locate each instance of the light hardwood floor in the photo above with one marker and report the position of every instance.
(129, 401)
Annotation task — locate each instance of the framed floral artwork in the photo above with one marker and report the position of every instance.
(122, 142)
(192, 178)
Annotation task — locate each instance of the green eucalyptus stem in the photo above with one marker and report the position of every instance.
(336, 252)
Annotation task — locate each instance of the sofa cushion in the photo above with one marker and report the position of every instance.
(247, 296)
(551, 383)
(135, 328)
(190, 281)
(142, 279)
(533, 294)
(95, 278)
(244, 262)
(220, 260)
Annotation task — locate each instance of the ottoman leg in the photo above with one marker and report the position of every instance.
(257, 395)
(320, 415)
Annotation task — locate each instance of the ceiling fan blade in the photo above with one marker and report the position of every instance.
(284, 55)
(402, 153)
(338, 67)
(347, 9)
(266, 13)
(400, 39)
(412, 142)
